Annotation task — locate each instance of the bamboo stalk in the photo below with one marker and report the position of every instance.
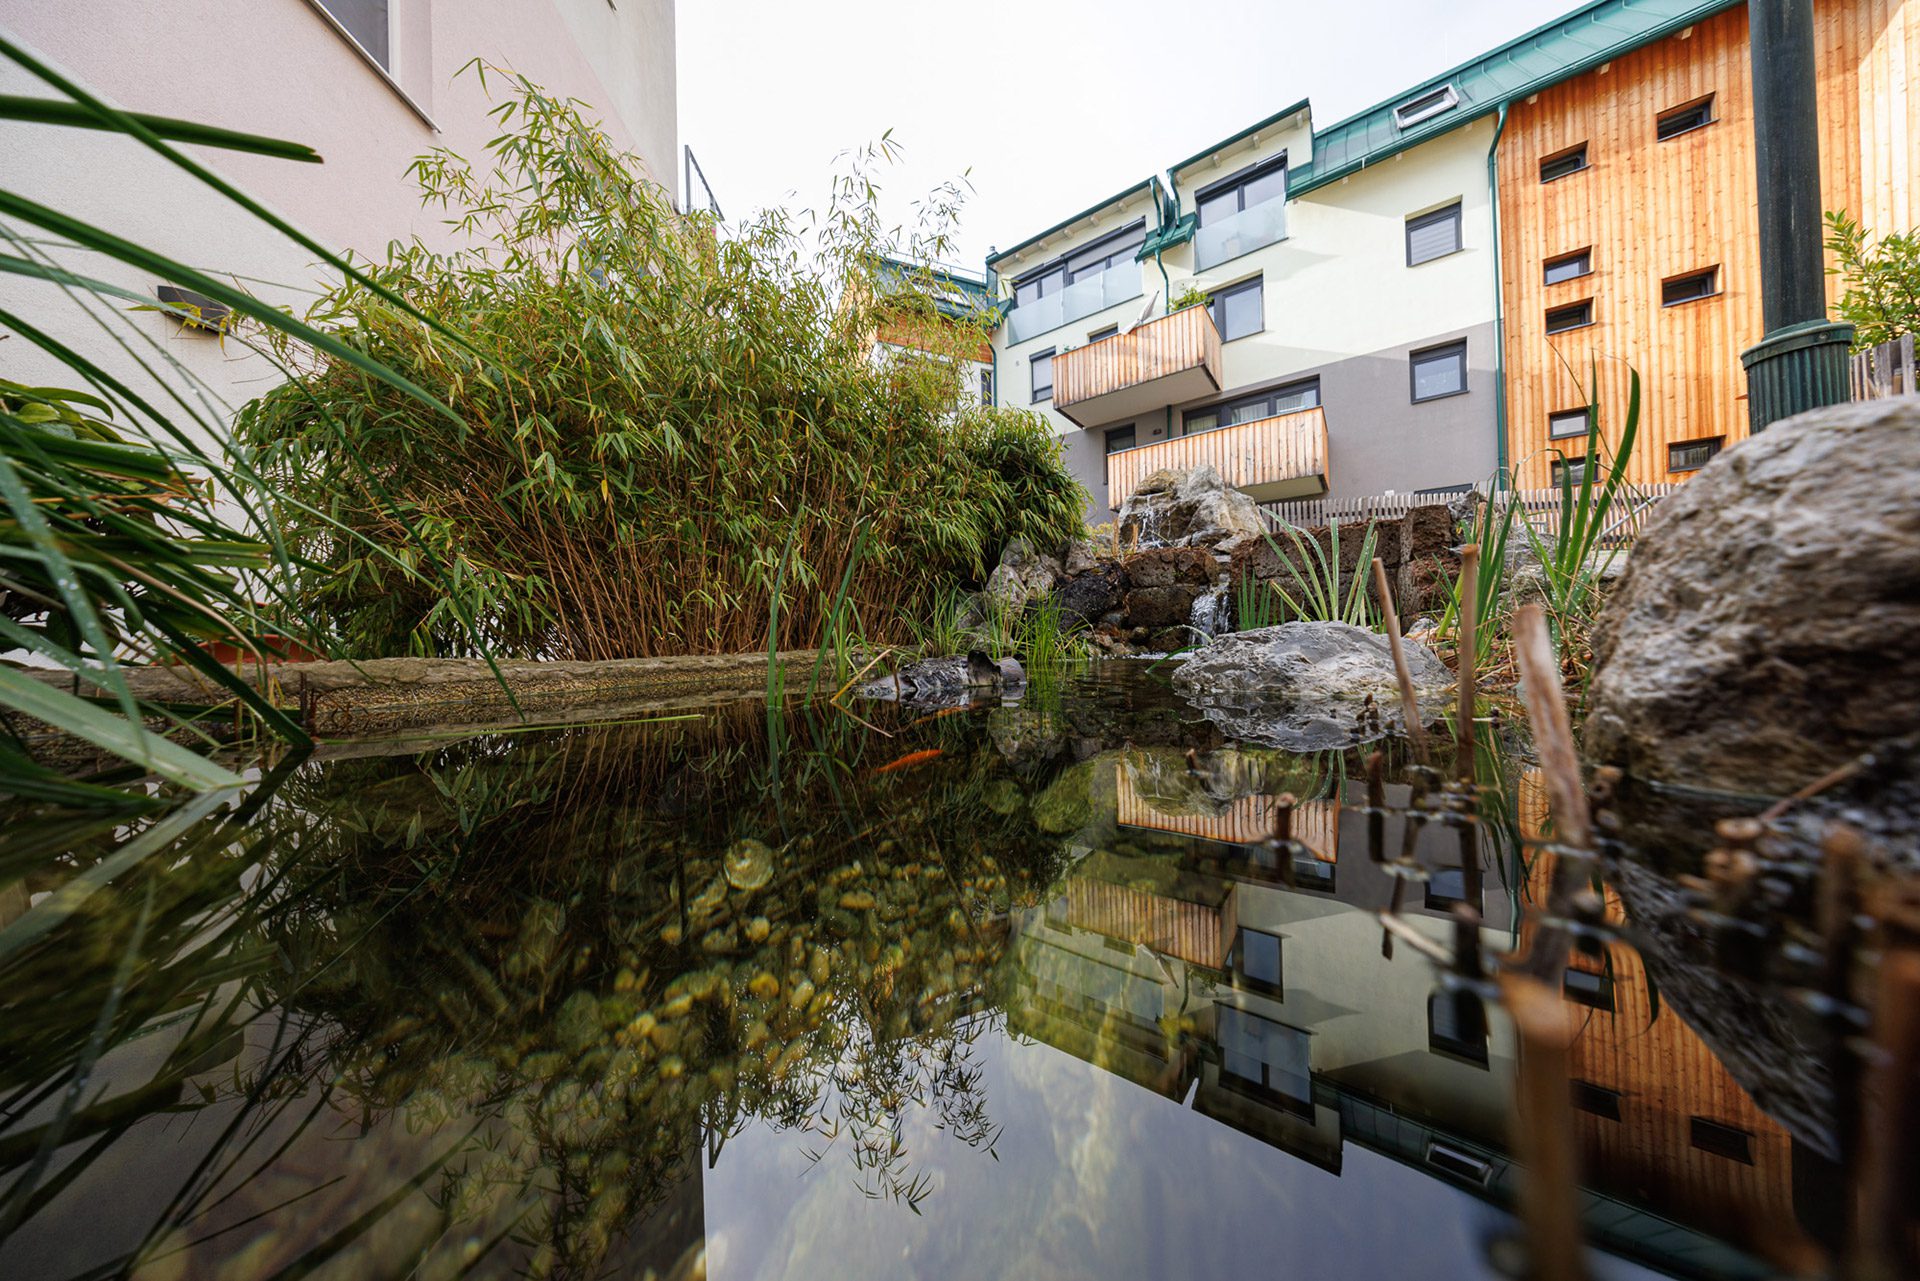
(1409, 704)
(1469, 650)
(1549, 1205)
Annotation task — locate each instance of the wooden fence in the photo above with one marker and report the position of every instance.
(1632, 505)
(1886, 370)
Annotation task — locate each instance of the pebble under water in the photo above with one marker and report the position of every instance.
(1019, 990)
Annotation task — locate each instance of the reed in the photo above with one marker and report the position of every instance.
(1320, 593)
(1409, 703)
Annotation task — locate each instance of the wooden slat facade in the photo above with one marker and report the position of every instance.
(1170, 345)
(1288, 447)
(1171, 927)
(1651, 210)
(1245, 820)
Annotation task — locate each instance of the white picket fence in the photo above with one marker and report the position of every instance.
(1632, 505)
(1885, 370)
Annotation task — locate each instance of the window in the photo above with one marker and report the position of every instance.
(1566, 423)
(1242, 191)
(1596, 1099)
(1692, 455)
(1290, 399)
(1695, 115)
(1041, 363)
(1728, 1141)
(1691, 287)
(1044, 283)
(1569, 266)
(1562, 163)
(367, 22)
(1426, 106)
(1433, 235)
(1446, 887)
(1256, 961)
(1119, 438)
(1098, 334)
(1569, 471)
(1457, 1025)
(1268, 1055)
(1310, 873)
(1439, 371)
(1589, 988)
(1459, 1163)
(1083, 263)
(1238, 310)
(986, 386)
(1576, 315)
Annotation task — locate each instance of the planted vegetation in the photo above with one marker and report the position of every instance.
(657, 430)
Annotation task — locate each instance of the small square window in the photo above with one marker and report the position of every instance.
(1311, 873)
(1098, 334)
(1119, 438)
(1569, 471)
(1566, 424)
(1457, 1025)
(1433, 235)
(1589, 988)
(1569, 267)
(1692, 455)
(1040, 364)
(1576, 315)
(1426, 106)
(1439, 371)
(1239, 310)
(1596, 1099)
(1729, 1141)
(1691, 287)
(1256, 960)
(1562, 163)
(1695, 115)
(1446, 888)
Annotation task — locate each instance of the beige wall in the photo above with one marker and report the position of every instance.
(279, 67)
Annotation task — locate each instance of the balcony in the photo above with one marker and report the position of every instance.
(1163, 362)
(1246, 231)
(1268, 459)
(1082, 298)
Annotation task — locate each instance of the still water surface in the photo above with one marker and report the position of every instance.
(1013, 991)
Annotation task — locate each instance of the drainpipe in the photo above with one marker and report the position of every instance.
(1499, 309)
(993, 352)
(1801, 363)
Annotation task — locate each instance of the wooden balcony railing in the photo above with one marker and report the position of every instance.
(1163, 362)
(1270, 459)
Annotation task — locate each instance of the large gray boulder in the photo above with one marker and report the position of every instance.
(1304, 686)
(1022, 576)
(1763, 631)
(1186, 508)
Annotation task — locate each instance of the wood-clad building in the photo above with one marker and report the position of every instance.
(1629, 235)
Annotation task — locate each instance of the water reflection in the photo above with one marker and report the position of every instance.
(1023, 990)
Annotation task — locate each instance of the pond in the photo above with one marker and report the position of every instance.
(1012, 990)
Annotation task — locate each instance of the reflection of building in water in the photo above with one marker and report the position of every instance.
(1204, 967)
(670, 1242)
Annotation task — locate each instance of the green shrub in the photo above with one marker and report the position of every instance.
(1882, 296)
(655, 412)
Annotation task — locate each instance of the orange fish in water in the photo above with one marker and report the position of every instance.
(910, 760)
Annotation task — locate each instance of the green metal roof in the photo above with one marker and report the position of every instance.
(1545, 56)
(1248, 132)
(1150, 184)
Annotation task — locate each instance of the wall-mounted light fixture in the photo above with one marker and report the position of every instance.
(194, 311)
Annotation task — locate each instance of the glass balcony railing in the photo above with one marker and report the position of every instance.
(1246, 231)
(1081, 298)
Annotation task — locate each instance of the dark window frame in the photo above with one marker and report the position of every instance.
(1711, 275)
(1058, 264)
(1101, 335)
(1444, 902)
(1555, 162)
(1264, 1088)
(1586, 425)
(1472, 1052)
(1221, 408)
(1034, 387)
(1423, 107)
(1691, 116)
(1241, 979)
(1216, 308)
(1238, 182)
(1595, 1100)
(1580, 313)
(1582, 256)
(1454, 213)
(1133, 438)
(1717, 444)
(1599, 997)
(1458, 347)
(1717, 1138)
(1566, 464)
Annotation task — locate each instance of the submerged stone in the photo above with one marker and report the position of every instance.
(749, 864)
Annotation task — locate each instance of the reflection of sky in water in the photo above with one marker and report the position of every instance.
(1096, 1178)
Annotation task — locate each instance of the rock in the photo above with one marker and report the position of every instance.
(1083, 557)
(1758, 638)
(948, 680)
(1091, 596)
(1528, 582)
(1161, 606)
(1022, 576)
(1304, 686)
(1190, 508)
(1171, 566)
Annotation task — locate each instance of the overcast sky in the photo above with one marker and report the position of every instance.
(1045, 105)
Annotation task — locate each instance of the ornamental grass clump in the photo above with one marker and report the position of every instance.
(653, 412)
